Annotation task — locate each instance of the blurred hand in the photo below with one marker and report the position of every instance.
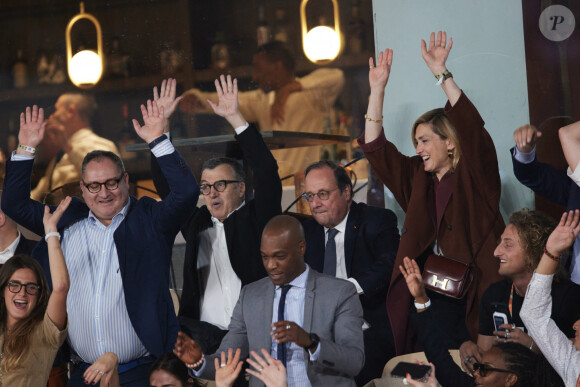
(469, 353)
(412, 275)
(51, 220)
(32, 127)
(285, 331)
(269, 370)
(102, 370)
(279, 105)
(436, 55)
(186, 349)
(565, 233)
(526, 138)
(379, 74)
(227, 371)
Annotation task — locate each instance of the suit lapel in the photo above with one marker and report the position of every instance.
(309, 300)
(266, 318)
(351, 232)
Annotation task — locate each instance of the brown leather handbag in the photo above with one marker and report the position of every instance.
(447, 276)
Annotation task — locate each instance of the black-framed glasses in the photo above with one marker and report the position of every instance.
(110, 185)
(322, 195)
(30, 288)
(484, 369)
(219, 186)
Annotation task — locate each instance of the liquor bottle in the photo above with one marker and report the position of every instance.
(262, 29)
(281, 27)
(356, 30)
(126, 136)
(20, 71)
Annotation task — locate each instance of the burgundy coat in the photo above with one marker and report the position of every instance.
(471, 224)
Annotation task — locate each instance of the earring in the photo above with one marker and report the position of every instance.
(450, 153)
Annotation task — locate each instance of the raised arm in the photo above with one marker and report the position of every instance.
(435, 57)
(560, 239)
(570, 140)
(56, 308)
(32, 126)
(378, 78)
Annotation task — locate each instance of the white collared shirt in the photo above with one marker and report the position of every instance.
(340, 254)
(9, 252)
(219, 282)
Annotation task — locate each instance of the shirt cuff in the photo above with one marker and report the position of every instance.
(240, 129)
(359, 290)
(196, 374)
(16, 157)
(575, 176)
(163, 148)
(523, 157)
(314, 356)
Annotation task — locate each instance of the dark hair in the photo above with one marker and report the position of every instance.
(340, 174)
(171, 364)
(277, 51)
(239, 173)
(531, 369)
(534, 228)
(98, 155)
(17, 342)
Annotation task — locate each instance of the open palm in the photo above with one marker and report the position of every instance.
(564, 235)
(227, 91)
(165, 98)
(379, 75)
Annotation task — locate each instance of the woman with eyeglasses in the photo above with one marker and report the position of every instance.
(33, 320)
(504, 364)
(450, 192)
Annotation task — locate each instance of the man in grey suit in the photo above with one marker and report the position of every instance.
(314, 325)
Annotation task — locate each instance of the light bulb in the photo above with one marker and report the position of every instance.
(85, 68)
(322, 43)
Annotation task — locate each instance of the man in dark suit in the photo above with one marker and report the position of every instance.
(222, 253)
(356, 242)
(12, 242)
(309, 321)
(117, 250)
(547, 181)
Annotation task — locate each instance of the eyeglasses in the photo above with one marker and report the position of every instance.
(219, 186)
(110, 185)
(30, 288)
(484, 369)
(322, 195)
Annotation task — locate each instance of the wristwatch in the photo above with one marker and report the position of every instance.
(315, 340)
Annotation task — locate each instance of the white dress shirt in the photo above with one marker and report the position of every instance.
(340, 255)
(8, 252)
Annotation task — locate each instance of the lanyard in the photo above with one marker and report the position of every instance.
(510, 305)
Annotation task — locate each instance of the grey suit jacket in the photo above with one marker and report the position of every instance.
(332, 310)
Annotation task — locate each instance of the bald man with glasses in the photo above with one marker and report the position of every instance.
(222, 251)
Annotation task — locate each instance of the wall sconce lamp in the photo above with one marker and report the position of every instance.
(85, 68)
(321, 44)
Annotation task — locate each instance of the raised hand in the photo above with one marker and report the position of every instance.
(165, 98)
(436, 56)
(227, 371)
(565, 233)
(187, 350)
(227, 107)
(526, 138)
(51, 220)
(269, 370)
(103, 370)
(379, 74)
(32, 127)
(412, 275)
(155, 123)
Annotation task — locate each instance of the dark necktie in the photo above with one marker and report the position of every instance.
(330, 253)
(281, 307)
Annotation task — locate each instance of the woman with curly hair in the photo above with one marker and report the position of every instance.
(33, 319)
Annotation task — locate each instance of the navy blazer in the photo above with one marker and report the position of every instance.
(370, 247)
(548, 182)
(144, 241)
(243, 228)
(25, 246)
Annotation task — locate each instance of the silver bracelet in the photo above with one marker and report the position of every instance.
(423, 306)
(51, 234)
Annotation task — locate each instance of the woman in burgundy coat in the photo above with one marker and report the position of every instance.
(450, 192)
